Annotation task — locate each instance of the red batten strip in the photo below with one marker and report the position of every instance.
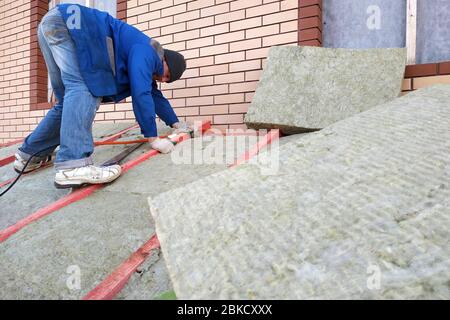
(81, 193)
(115, 282)
(74, 196)
(7, 160)
(112, 285)
(5, 183)
(268, 138)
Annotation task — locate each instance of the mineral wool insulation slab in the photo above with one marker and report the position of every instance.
(358, 210)
(309, 88)
(98, 233)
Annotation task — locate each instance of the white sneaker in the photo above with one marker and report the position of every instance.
(76, 177)
(34, 164)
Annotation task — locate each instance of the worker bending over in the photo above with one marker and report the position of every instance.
(92, 57)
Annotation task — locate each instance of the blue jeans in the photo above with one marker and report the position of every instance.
(69, 123)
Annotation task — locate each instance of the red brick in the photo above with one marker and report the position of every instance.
(257, 53)
(253, 75)
(187, 35)
(280, 17)
(231, 16)
(243, 87)
(444, 68)
(229, 98)
(310, 34)
(262, 31)
(310, 11)
(200, 101)
(192, 5)
(174, 28)
(279, 39)
(214, 10)
(188, 16)
(312, 43)
(213, 90)
(200, 81)
(199, 118)
(171, 11)
(229, 37)
(191, 73)
(160, 4)
(190, 111)
(229, 118)
(200, 62)
(289, 4)
(246, 44)
(246, 24)
(229, 78)
(421, 70)
(245, 65)
(242, 4)
(263, 10)
(216, 109)
(184, 93)
(200, 23)
(213, 50)
(200, 43)
(230, 57)
(306, 3)
(312, 22)
(178, 103)
(239, 108)
(217, 29)
(213, 70)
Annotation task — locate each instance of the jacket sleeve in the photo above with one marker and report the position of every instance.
(141, 66)
(162, 107)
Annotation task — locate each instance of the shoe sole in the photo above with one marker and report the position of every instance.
(74, 184)
(25, 172)
(28, 171)
(69, 186)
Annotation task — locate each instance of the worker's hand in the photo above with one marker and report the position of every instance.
(162, 145)
(182, 127)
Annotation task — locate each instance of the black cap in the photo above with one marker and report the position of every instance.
(176, 64)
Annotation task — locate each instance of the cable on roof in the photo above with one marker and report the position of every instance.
(25, 166)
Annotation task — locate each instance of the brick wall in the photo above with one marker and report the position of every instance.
(225, 43)
(15, 119)
(424, 75)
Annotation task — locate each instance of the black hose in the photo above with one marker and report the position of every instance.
(24, 167)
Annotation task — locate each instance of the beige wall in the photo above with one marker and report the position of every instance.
(225, 44)
(15, 118)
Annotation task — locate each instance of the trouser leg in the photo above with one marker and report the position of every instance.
(46, 136)
(80, 106)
